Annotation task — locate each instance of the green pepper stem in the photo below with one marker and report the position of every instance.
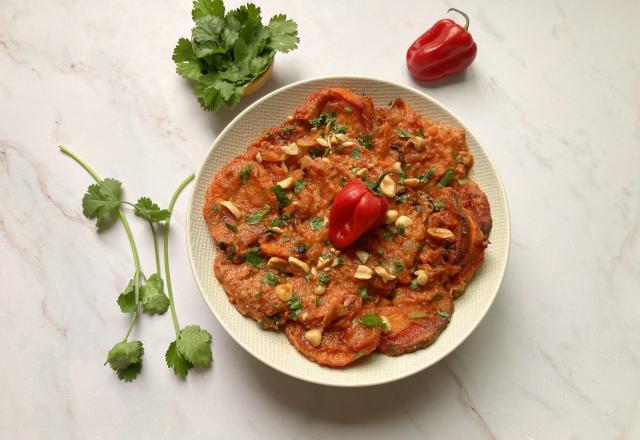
(167, 274)
(466, 17)
(376, 185)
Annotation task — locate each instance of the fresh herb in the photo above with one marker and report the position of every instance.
(318, 300)
(308, 277)
(366, 140)
(231, 252)
(226, 52)
(380, 250)
(398, 266)
(282, 221)
(420, 132)
(372, 320)
(401, 230)
(355, 153)
(287, 130)
(193, 344)
(443, 314)
(283, 200)
(439, 204)
(462, 181)
(402, 198)
(414, 285)
(295, 305)
(254, 257)
(258, 216)
(323, 119)
(427, 175)
(316, 223)
(364, 295)
(245, 173)
(275, 318)
(324, 278)
(354, 170)
(258, 295)
(299, 185)
(403, 133)
(446, 178)
(418, 316)
(270, 278)
(316, 151)
(338, 129)
(358, 355)
(230, 226)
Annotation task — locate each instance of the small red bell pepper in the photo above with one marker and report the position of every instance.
(444, 49)
(356, 210)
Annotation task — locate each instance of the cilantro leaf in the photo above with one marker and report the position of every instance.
(295, 305)
(246, 173)
(355, 153)
(194, 345)
(127, 299)
(257, 217)
(254, 257)
(270, 278)
(299, 185)
(372, 320)
(202, 8)
(403, 133)
(364, 294)
(323, 119)
(324, 278)
(398, 266)
(283, 199)
(125, 358)
(152, 296)
(316, 223)
(446, 178)
(439, 204)
(175, 361)
(284, 34)
(101, 200)
(427, 175)
(187, 63)
(339, 129)
(366, 140)
(150, 211)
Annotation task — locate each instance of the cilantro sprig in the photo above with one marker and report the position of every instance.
(227, 51)
(103, 201)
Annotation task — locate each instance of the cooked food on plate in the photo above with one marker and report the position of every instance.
(351, 227)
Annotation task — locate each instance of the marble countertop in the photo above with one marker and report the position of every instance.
(554, 95)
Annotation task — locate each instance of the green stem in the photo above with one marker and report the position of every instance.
(376, 185)
(134, 250)
(134, 316)
(466, 17)
(167, 273)
(155, 248)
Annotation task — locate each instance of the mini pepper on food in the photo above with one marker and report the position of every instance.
(444, 49)
(356, 210)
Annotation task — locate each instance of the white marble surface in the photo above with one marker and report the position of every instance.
(554, 95)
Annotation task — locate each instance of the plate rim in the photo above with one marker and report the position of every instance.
(337, 78)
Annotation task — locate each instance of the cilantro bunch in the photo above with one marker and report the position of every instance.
(192, 346)
(228, 51)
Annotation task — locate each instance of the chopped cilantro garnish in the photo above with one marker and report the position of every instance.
(318, 300)
(414, 285)
(420, 132)
(316, 151)
(295, 305)
(439, 204)
(403, 133)
(316, 223)
(246, 173)
(366, 140)
(215, 208)
(258, 216)
(443, 314)
(462, 181)
(299, 185)
(446, 178)
(270, 278)
(427, 175)
(402, 198)
(324, 278)
(398, 266)
(282, 221)
(287, 130)
(337, 128)
(323, 119)
(364, 295)
(231, 227)
(355, 153)
(358, 355)
(254, 257)
(283, 200)
(372, 320)
(231, 250)
(401, 231)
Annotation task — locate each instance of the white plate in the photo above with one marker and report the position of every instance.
(273, 348)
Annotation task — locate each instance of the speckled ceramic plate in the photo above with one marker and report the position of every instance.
(273, 348)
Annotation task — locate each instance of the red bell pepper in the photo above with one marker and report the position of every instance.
(355, 211)
(444, 49)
